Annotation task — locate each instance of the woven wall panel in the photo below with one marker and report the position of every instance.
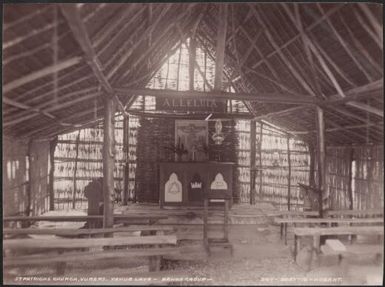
(274, 167)
(90, 162)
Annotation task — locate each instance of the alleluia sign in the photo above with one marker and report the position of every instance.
(187, 104)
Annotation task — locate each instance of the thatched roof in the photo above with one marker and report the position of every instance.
(59, 61)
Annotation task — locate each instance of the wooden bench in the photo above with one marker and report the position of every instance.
(288, 214)
(355, 213)
(329, 221)
(336, 247)
(293, 213)
(118, 218)
(67, 232)
(46, 251)
(317, 232)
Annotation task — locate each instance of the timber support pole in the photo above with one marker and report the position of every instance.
(108, 162)
(321, 158)
(252, 160)
(260, 159)
(75, 170)
(28, 208)
(192, 59)
(312, 155)
(350, 189)
(126, 151)
(52, 147)
(289, 173)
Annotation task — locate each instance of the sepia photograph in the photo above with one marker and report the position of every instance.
(193, 143)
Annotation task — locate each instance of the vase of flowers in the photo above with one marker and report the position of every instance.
(178, 149)
(204, 148)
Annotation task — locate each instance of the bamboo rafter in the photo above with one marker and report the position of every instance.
(78, 29)
(41, 73)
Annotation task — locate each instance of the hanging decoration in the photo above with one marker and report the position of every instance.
(218, 137)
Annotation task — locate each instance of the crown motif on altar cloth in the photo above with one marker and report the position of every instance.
(196, 185)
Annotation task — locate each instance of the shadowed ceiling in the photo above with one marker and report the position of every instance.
(61, 61)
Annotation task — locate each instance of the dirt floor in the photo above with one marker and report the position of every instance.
(259, 258)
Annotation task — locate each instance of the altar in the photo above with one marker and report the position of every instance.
(185, 183)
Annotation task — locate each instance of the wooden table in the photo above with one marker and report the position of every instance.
(317, 232)
(285, 221)
(297, 213)
(77, 218)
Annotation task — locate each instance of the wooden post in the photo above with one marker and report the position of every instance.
(221, 45)
(226, 221)
(369, 196)
(192, 54)
(205, 225)
(126, 134)
(51, 191)
(252, 160)
(205, 71)
(28, 187)
(350, 189)
(178, 68)
(75, 170)
(108, 162)
(289, 174)
(312, 165)
(321, 158)
(260, 160)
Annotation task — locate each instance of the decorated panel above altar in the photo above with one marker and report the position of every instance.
(193, 135)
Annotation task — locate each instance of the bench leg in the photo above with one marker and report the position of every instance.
(296, 246)
(316, 249)
(60, 268)
(154, 263)
(281, 230)
(339, 259)
(378, 258)
(231, 250)
(206, 246)
(285, 233)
